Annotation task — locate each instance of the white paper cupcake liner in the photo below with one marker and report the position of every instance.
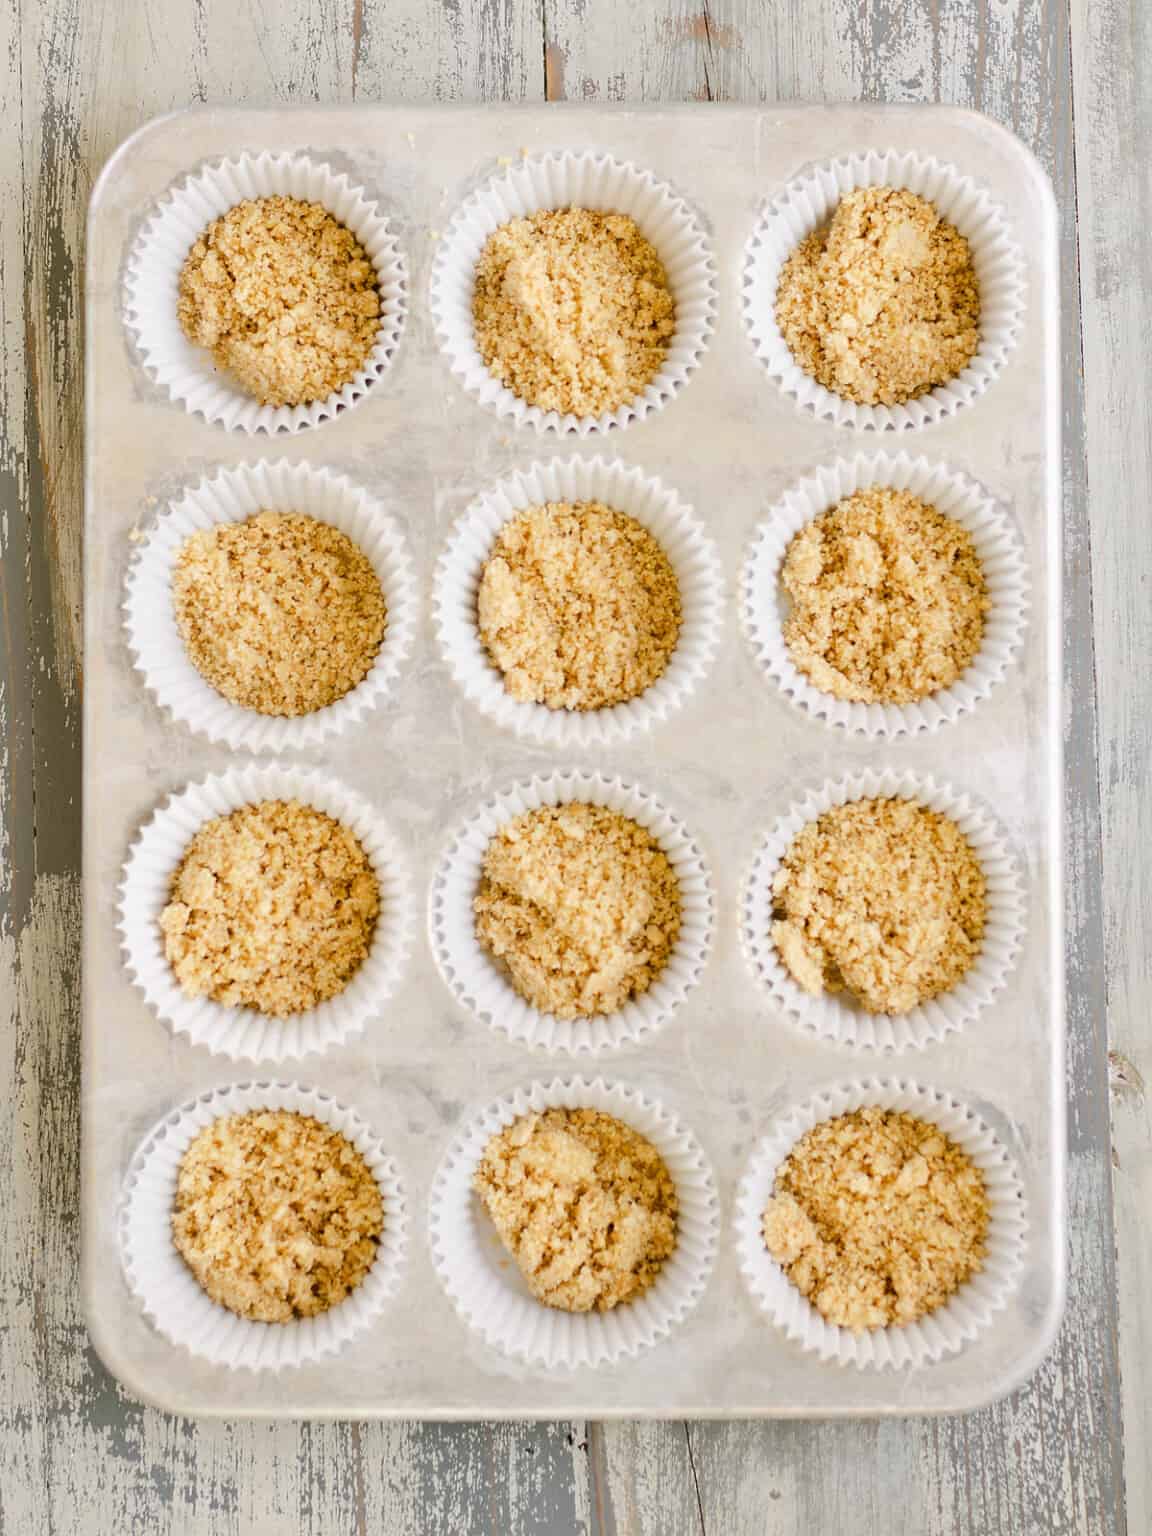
(475, 979)
(951, 1326)
(187, 372)
(692, 554)
(231, 496)
(839, 1018)
(165, 1287)
(483, 1281)
(245, 1033)
(765, 604)
(600, 183)
(808, 202)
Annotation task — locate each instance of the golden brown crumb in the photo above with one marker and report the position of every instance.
(884, 898)
(580, 906)
(882, 303)
(877, 1218)
(281, 613)
(573, 311)
(583, 1203)
(888, 598)
(277, 1215)
(273, 907)
(578, 606)
(284, 296)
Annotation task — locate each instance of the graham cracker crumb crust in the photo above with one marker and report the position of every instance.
(578, 606)
(888, 598)
(276, 1214)
(280, 613)
(878, 1218)
(273, 907)
(572, 310)
(882, 898)
(584, 1204)
(881, 305)
(285, 298)
(579, 906)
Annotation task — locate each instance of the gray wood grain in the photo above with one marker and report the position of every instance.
(75, 1455)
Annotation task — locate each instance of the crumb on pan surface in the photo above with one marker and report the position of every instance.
(272, 907)
(584, 1204)
(888, 598)
(881, 304)
(572, 310)
(877, 1217)
(883, 898)
(579, 906)
(276, 1214)
(578, 606)
(284, 296)
(280, 613)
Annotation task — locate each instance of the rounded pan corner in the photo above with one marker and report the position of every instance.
(1013, 146)
(133, 144)
(161, 1392)
(1022, 1368)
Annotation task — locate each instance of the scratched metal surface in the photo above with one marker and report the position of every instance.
(729, 762)
(75, 1454)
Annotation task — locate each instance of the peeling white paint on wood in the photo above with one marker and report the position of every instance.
(75, 1456)
(1112, 81)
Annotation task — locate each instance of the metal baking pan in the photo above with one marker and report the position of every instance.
(729, 761)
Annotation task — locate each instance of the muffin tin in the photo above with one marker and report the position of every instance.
(729, 1061)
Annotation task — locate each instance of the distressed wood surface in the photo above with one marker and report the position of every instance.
(75, 1455)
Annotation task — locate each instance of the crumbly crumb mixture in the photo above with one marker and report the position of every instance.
(877, 1218)
(585, 1205)
(882, 303)
(273, 907)
(284, 296)
(579, 905)
(883, 898)
(277, 1215)
(888, 598)
(572, 309)
(578, 606)
(281, 613)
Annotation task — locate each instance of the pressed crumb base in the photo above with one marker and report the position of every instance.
(877, 1218)
(276, 1214)
(583, 1203)
(883, 898)
(888, 598)
(284, 296)
(579, 906)
(281, 613)
(881, 305)
(273, 907)
(578, 606)
(572, 310)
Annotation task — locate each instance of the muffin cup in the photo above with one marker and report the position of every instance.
(602, 184)
(809, 201)
(477, 982)
(483, 1281)
(829, 1015)
(996, 541)
(231, 496)
(683, 539)
(172, 1298)
(961, 1318)
(187, 372)
(245, 1033)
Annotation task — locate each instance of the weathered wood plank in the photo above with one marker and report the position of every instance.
(1012, 1468)
(1112, 75)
